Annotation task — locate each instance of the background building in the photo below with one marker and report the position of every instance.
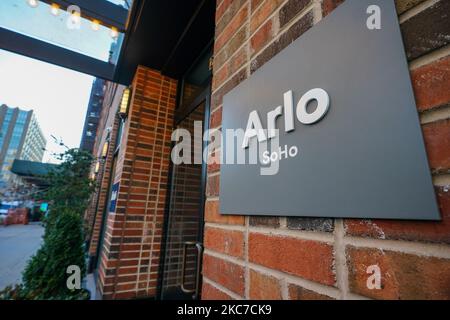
(20, 138)
(93, 115)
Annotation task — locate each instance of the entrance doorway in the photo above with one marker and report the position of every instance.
(183, 249)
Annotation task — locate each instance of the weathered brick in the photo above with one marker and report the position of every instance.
(329, 5)
(264, 287)
(236, 23)
(403, 276)
(212, 214)
(431, 84)
(217, 97)
(225, 273)
(230, 48)
(262, 13)
(216, 118)
(290, 10)
(229, 13)
(210, 292)
(213, 186)
(273, 222)
(224, 241)
(427, 31)
(406, 230)
(300, 293)
(230, 67)
(308, 259)
(311, 224)
(295, 31)
(437, 142)
(405, 5)
(261, 37)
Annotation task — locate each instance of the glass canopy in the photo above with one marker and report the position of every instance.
(59, 27)
(86, 36)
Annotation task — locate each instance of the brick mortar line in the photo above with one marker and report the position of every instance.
(269, 17)
(317, 10)
(223, 14)
(229, 23)
(340, 259)
(401, 246)
(281, 31)
(430, 57)
(228, 227)
(213, 174)
(222, 288)
(442, 180)
(416, 10)
(323, 237)
(236, 51)
(247, 268)
(307, 284)
(291, 279)
(285, 28)
(435, 115)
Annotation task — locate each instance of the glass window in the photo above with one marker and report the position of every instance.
(196, 79)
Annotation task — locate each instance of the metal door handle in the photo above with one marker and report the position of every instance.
(199, 247)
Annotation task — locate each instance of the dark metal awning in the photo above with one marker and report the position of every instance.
(166, 35)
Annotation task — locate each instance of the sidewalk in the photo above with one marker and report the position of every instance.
(17, 244)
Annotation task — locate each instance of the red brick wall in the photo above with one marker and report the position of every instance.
(130, 254)
(304, 258)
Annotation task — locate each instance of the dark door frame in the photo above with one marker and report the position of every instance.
(180, 115)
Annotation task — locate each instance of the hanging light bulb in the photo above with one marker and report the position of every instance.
(54, 9)
(95, 25)
(33, 3)
(114, 32)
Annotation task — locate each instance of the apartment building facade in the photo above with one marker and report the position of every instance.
(92, 115)
(165, 230)
(20, 138)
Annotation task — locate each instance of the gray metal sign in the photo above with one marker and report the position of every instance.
(349, 134)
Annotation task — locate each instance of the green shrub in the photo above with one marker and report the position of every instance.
(45, 276)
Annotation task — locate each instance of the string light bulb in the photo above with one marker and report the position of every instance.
(76, 17)
(54, 9)
(33, 3)
(114, 32)
(95, 25)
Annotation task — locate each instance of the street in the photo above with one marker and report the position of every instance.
(17, 244)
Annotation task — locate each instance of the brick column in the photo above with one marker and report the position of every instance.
(131, 251)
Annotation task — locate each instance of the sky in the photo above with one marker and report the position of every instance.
(58, 96)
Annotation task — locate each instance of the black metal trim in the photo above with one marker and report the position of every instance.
(206, 97)
(185, 111)
(41, 50)
(183, 34)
